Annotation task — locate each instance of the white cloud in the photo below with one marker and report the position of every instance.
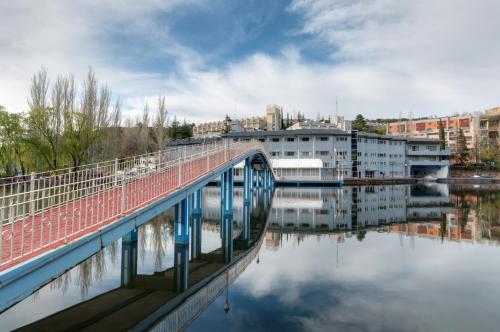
(387, 57)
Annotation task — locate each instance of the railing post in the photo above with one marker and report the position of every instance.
(32, 194)
(116, 173)
(2, 216)
(180, 170)
(123, 202)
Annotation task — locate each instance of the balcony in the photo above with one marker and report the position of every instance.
(427, 152)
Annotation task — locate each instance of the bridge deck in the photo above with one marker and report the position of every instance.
(52, 228)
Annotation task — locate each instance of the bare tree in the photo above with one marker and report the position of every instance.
(160, 123)
(89, 98)
(143, 125)
(39, 90)
(114, 133)
(102, 116)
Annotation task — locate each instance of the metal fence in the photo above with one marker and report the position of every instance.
(46, 210)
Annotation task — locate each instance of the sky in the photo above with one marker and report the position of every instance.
(380, 58)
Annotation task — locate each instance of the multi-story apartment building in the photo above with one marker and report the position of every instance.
(322, 154)
(489, 127)
(478, 129)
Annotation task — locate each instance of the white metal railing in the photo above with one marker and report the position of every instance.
(45, 210)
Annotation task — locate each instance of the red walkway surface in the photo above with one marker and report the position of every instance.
(60, 225)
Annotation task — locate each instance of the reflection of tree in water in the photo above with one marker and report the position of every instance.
(62, 282)
(113, 253)
(489, 215)
(463, 211)
(360, 234)
(90, 270)
(155, 233)
(442, 227)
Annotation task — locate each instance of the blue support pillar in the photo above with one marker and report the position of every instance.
(196, 225)
(181, 267)
(246, 181)
(228, 191)
(196, 202)
(251, 183)
(181, 222)
(246, 221)
(227, 237)
(222, 200)
(129, 258)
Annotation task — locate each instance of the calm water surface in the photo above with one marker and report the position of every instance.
(377, 258)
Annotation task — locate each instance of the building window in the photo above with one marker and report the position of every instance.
(305, 153)
(275, 139)
(275, 153)
(322, 153)
(290, 139)
(323, 138)
(290, 153)
(262, 140)
(343, 139)
(305, 139)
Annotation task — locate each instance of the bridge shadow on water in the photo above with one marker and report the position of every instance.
(169, 299)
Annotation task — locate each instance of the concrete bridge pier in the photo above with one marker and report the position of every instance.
(129, 258)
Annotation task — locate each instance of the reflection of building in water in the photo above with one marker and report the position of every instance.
(326, 210)
(321, 210)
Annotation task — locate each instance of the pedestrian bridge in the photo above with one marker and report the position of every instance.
(51, 221)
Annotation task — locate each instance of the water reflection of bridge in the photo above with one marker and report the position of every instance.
(172, 298)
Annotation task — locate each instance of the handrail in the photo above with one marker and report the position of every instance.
(50, 209)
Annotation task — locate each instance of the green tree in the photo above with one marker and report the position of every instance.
(12, 135)
(360, 235)
(185, 130)
(173, 130)
(489, 154)
(43, 136)
(462, 150)
(442, 137)
(359, 123)
(79, 136)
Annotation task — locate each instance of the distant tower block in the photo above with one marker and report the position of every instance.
(274, 117)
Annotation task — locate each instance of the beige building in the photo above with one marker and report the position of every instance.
(254, 123)
(272, 121)
(274, 117)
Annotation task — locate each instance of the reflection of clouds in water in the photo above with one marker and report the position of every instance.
(389, 265)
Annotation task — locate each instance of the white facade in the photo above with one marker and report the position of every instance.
(348, 154)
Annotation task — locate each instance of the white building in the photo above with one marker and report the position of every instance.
(329, 154)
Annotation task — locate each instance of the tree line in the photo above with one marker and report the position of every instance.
(65, 126)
